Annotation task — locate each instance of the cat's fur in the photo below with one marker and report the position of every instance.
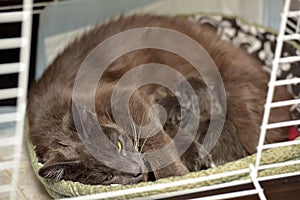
(62, 153)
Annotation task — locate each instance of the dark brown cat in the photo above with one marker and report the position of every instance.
(59, 145)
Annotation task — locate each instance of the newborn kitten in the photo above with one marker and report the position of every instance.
(52, 112)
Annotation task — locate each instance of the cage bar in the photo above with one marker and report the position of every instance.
(287, 82)
(280, 144)
(11, 93)
(5, 188)
(258, 189)
(291, 13)
(284, 103)
(273, 78)
(289, 59)
(283, 164)
(8, 141)
(291, 37)
(6, 165)
(9, 117)
(11, 68)
(12, 43)
(11, 17)
(229, 195)
(281, 124)
(22, 83)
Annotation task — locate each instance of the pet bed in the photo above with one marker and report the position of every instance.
(258, 41)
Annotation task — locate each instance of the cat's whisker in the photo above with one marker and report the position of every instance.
(135, 139)
(108, 115)
(146, 139)
(140, 131)
(213, 165)
(59, 174)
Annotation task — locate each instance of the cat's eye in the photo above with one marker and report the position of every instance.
(109, 177)
(119, 145)
(120, 148)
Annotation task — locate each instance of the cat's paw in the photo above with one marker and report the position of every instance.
(194, 161)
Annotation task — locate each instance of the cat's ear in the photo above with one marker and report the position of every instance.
(82, 117)
(56, 171)
(59, 162)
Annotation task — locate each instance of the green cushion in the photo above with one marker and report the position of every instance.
(70, 189)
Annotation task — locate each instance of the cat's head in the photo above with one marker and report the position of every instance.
(89, 158)
(118, 154)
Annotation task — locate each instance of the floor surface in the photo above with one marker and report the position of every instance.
(29, 187)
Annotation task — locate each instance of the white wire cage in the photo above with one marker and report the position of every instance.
(21, 68)
(20, 92)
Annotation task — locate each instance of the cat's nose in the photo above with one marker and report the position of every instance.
(136, 170)
(137, 174)
(138, 177)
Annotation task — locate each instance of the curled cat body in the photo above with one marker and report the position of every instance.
(57, 140)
